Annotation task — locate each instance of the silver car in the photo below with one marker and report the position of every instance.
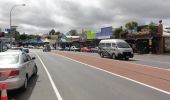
(16, 68)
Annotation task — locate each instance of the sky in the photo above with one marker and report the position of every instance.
(40, 16)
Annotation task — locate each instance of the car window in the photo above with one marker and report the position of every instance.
(25, 58)
(108, 44)
(4, 59)
(123, 45)
(102, 45)
(113, 45)
(28, 57)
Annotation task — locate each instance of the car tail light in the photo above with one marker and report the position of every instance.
(13, 73)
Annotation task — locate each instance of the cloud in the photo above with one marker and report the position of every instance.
(40, 16)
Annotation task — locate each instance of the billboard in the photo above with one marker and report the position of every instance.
(90, 35)
(105, 33)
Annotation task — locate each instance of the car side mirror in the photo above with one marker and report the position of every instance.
(33, 58)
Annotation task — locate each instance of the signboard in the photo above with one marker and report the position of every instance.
(105, 33)
(90, 35)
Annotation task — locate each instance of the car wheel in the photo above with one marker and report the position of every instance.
(114, 56)
(126, 58)
(101, 54)
(35, 70)
(24, 87)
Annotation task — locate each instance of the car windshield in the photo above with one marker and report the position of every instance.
(9, 59)
(122, 45)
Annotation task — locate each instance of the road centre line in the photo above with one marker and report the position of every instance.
(146, 85)
(51, 80)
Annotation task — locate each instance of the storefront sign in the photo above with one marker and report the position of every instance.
(105, 33)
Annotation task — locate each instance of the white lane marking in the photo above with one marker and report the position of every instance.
(152, 87)
(148, 66)
(51, 80)
(137, 64)
(158, 61)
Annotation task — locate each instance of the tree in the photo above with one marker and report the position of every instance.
(17, 36)
(117, 32)
(151, 26)
(52, 32)
(131, 25)
(32, 36)
(23, 37)
(73, 32)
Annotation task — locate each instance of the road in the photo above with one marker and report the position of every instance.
(79, 81)
(159, 61)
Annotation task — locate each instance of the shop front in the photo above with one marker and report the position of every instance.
(166, 35)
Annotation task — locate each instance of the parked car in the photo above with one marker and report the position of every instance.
(30, 46)
(52, 48)
(16, 68)
(47, 48)
(74, 48)
(41, 47)
(25, 50)
(85, 49)
(16, 48)
(67, 49)
(95, 50)
(59, 48)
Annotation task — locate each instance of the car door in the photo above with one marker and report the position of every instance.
(114, 48)
(27, 65)
(108, 49)
(30, 64)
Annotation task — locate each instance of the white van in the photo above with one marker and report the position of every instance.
(115, 48)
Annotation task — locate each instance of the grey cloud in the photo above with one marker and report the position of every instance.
(42, 15)
(141, 8)
(86, 17)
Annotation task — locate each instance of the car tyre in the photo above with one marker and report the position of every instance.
(114, 56)
(126, 58)
(35, 70)
(101, 54)
(24, 87)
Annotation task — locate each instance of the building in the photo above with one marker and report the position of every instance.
(148, 41)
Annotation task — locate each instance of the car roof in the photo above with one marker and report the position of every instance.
(111, 40)
(8, 52)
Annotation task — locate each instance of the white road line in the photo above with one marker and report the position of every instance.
(148, 66)
(152, 87)
(51, 80)
(137, 64)
(154, 67)
(158, 61)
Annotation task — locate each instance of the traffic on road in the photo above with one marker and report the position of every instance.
(84, 50)
(65, 75)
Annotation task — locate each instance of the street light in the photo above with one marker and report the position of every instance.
(12, 8)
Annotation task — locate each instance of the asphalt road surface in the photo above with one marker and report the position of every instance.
(65, 79)
(159, 61)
